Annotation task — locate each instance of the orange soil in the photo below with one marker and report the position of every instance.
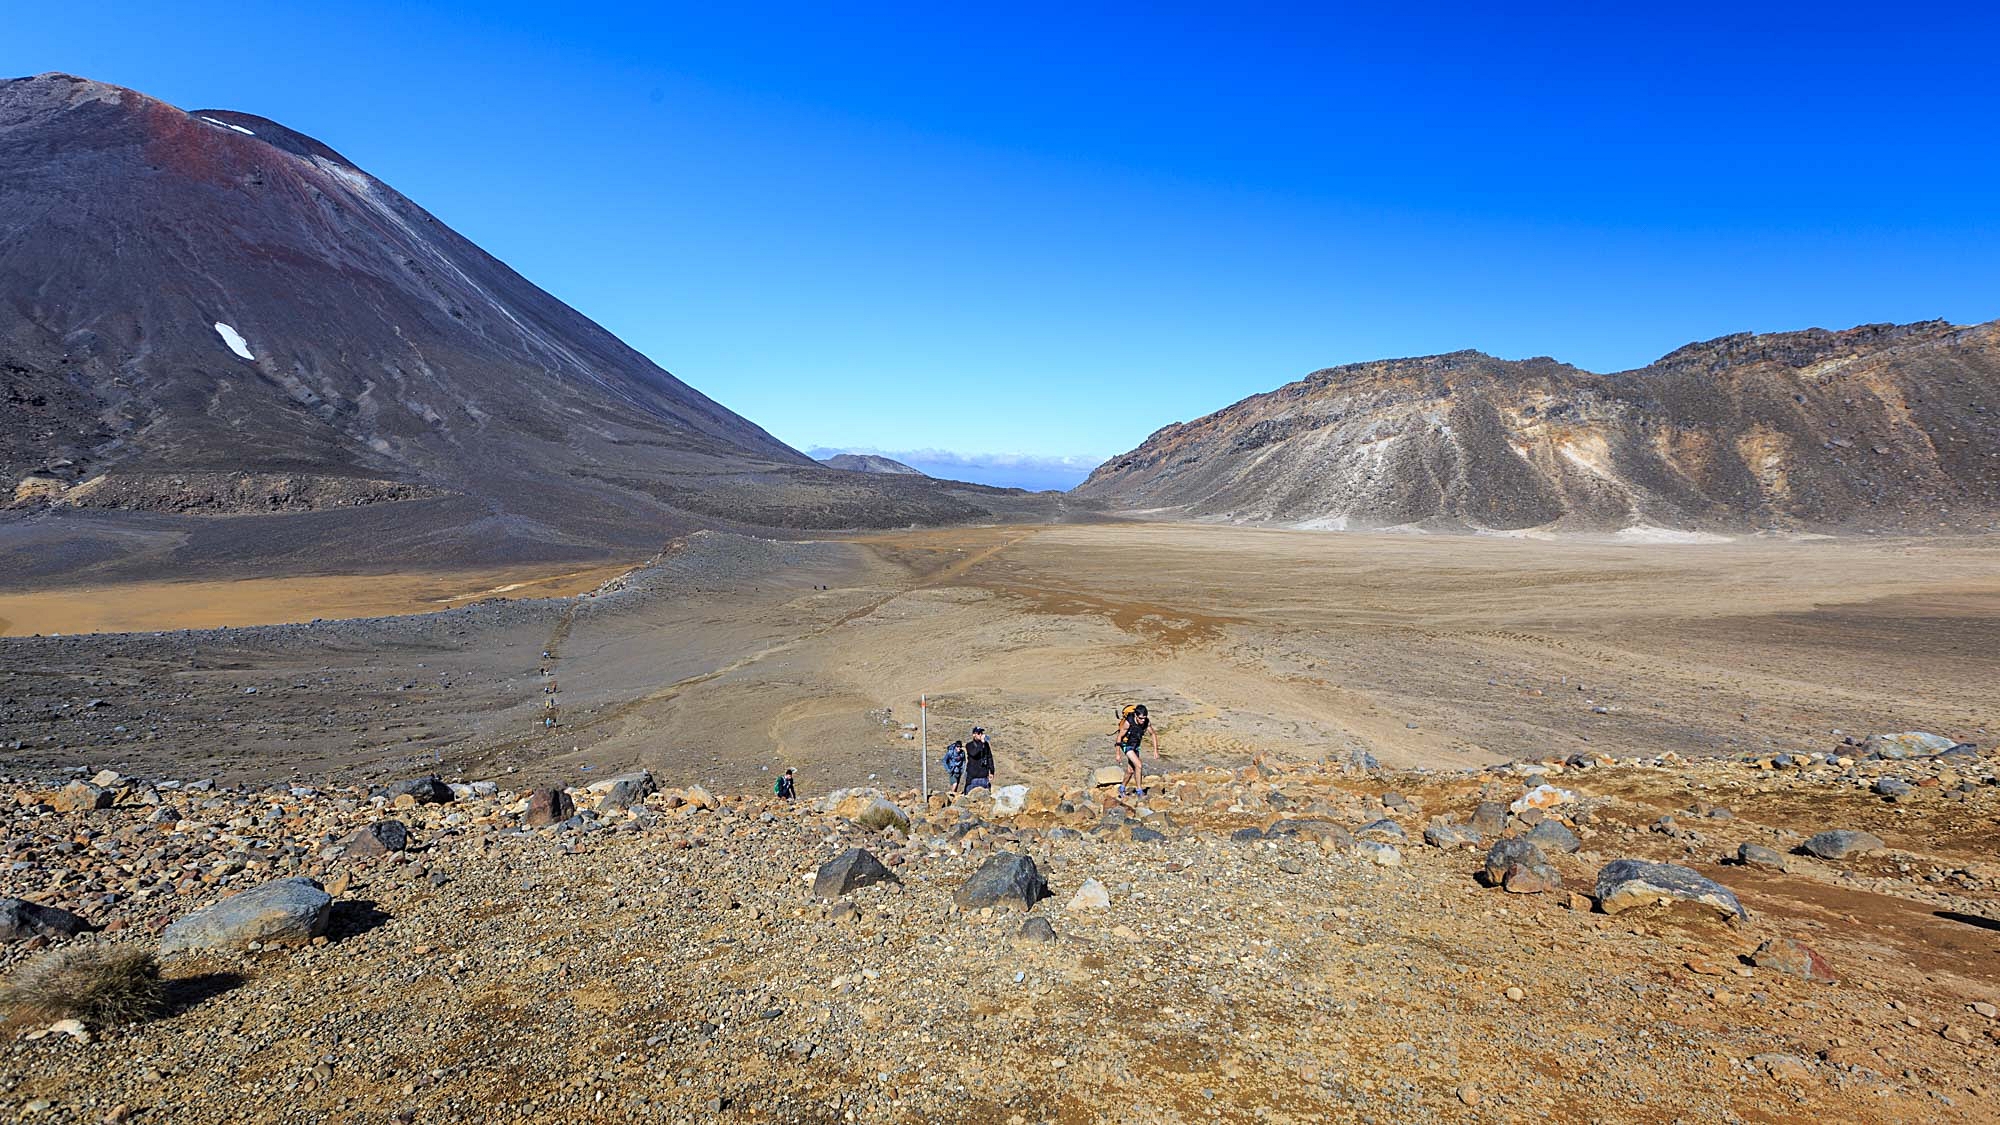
(158, 606)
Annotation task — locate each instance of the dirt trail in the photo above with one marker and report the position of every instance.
(1439, 651)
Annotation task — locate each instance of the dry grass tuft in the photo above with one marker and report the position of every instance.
(102, 985)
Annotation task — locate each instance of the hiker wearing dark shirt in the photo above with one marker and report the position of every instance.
(1135, 729)
(978, 762)
(787, 787)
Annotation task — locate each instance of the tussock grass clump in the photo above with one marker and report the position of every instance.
(102, 985)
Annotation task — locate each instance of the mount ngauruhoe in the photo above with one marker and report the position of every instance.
(1892, 427)
(208, 314)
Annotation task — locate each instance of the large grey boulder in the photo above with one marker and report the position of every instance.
(850, 870)
(616, 794)
(1383, 831)
(379, 838)
(1843, 842)
(1758, 855)
(1445, 834)
(1519, 867)
(1555, 836)
(1490, 818)
(1378, 852)
(21, 919)
(1909, 744)
(424, 790)
(867, 807)
(282, 912)
(1624, 884)
(1005, 878)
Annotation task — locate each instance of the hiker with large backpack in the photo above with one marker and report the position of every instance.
(954, 763)
(1135, 728)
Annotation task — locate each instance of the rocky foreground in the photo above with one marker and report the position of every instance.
(1754, 940)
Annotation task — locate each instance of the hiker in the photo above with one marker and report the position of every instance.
(978, 762)
(787, 787)
(954, 763)
(1135, 728)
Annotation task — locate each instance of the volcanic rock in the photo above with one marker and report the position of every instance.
(1909, 744)
(1005, 877)
(549, 805)
(379, 838)
(1793, 958)
(1445, 834)
(616, 794)
(1555, 836)
(1840, 843)
(281, 912)
(21, 919)
(1624, 884)
(1757, 855)
(82, 796)
(850, 870)
(425, 791)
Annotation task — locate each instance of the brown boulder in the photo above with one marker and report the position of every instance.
(548, 806)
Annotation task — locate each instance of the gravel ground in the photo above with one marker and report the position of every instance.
(668, 961)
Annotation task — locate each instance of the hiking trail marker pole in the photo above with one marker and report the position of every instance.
(924, 743)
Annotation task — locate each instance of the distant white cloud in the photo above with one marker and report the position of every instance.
(1005, 470)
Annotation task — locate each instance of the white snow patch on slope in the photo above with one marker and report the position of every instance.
(234, 339)
(227, 125)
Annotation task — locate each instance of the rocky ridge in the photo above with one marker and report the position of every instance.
(1877, 427)
(869, 463)
(1269, 942)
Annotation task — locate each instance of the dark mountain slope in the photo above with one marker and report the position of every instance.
(212, 313)
(1893, 427)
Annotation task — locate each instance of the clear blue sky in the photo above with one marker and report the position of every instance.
(1048, 230)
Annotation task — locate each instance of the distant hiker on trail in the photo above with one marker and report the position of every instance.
(954, 763)
(1135, 728)
(978, 762)
(787, 787)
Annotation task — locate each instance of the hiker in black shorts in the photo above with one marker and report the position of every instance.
(1135, 728)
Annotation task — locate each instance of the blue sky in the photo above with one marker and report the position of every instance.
(1042, 232)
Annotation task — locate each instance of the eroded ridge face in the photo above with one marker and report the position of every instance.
(1877, 427)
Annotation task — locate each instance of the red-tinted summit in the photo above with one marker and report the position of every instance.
(212, 292)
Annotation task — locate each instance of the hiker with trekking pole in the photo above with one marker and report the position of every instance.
(1135, 728)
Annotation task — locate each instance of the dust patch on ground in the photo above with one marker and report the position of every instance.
(131, 607)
